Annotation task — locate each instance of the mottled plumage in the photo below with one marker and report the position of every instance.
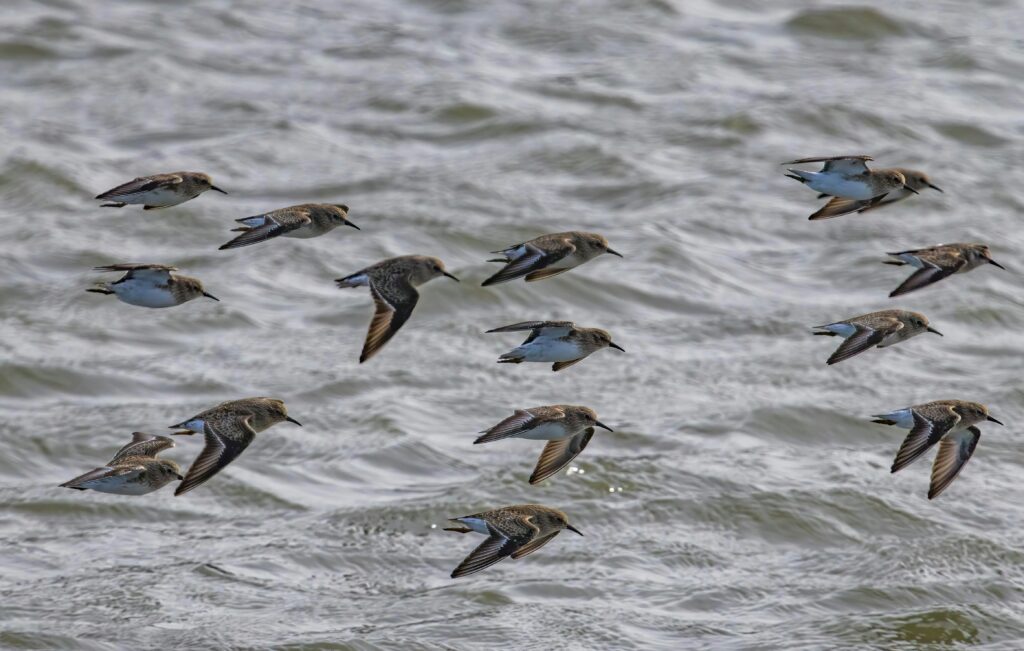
(916, 181)
(849, 177)
(514, 531)
(561, 342)
(151, 285)
(392, 284)
(549, 255)
(568, 428)
(949, 421)
(881, 329)
(229, 428)
(134, 469)
(305, 221)
(159, 190)
(937, 262)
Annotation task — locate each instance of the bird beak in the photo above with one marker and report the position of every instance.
(991, 261)
(211, 296)
(600, 424)
(910, 189)
(612, 344)
(292, 420)
(935, 187)
(573, 529)
(214, 187)
(934, 331)
(186, 432)
(613, 252)
(995, 421)
(445, 273)
(348, 223)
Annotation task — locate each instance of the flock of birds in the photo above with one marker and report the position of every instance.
(515, 531)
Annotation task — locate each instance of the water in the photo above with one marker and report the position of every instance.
(756, 508)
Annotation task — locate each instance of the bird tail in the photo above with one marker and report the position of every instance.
(100, 289)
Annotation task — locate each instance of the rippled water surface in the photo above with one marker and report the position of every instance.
(744, 500)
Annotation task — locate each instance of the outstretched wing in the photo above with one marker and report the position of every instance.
(954, 453)
(925, 276)
(538, 328)
(839, 206)
(495, 548)
(864, 338)
(261, 228)
(927, 431)
(225, 440)
(143, 445)
(142, 184)
(157, 273)
(558, 453)
(840, 164)
(532, 259)
(394, 300)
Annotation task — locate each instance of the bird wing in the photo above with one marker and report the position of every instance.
(274, 224)
(558, 453)
(226, 438)
(101, 473)
(532, 260)
(534, 545)
(143, 445)
(863, 338)
(157, 273)
(142, 184)
(954, 453)
(394, 300)
(520, 421)
(928, 429)
(841, 164)
(927, 275)
(538, 328)
(497, 547)
(837, 206)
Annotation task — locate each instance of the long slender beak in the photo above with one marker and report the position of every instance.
(214, 187)
(910, 189)
(348, 223)
(186, 432)
(995, 421)
(991, 261)
(573, 529)
(935, 187)
(613, 252)
(600, 424)
(211, 296)
(292, 420)
(451, 276)
(612, 344)
(934, 331)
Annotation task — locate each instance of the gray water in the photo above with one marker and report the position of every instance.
(744, 500)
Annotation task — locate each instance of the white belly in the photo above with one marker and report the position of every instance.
(840, 186)
(305, 232)
(136, 292)
(545, 432)
(548, 350)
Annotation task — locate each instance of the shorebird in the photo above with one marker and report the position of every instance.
(561, 342)
(949, 421)
(134, 470)
(881, 329)
(937, 262)
(304, 221)
(514, 531)
(916, 181)
(549, 255)
(392, 284)
(159, 190)
(848, 177)
(151, 285)
(229, 428)
(568, 428)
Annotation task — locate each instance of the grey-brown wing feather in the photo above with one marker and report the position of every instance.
(497, 547)
(861, 340)
(394, 300)
(927, 431)
(275, 224)
(143, 445)
(100, 473)
(225, 440)
(518, 422)
(533, 260)
(558, 453)
(954, 453)
(142, 184)
(924, 277)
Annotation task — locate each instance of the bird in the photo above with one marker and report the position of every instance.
(561, 342)
(392, 284)
(568, 428)
(134, 470)
(151, 285)
(881, 329)
(937, 262)
(849, 177)
(159, 190)
(229, 428)
(950, 421)
(836, 206)
(514, 531)
(303, 221)
(548, 255)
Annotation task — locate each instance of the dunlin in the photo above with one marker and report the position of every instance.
(514, 531)
(568, 429)
(305, 221)
(949, 421)
(881, 329)
(134, 470)
(151, 285)
(549, 255)
(849, 177)
(836, 206)
(229, 428)
(159, 190)
(936, 262)
(392, 284)
(560, 342)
